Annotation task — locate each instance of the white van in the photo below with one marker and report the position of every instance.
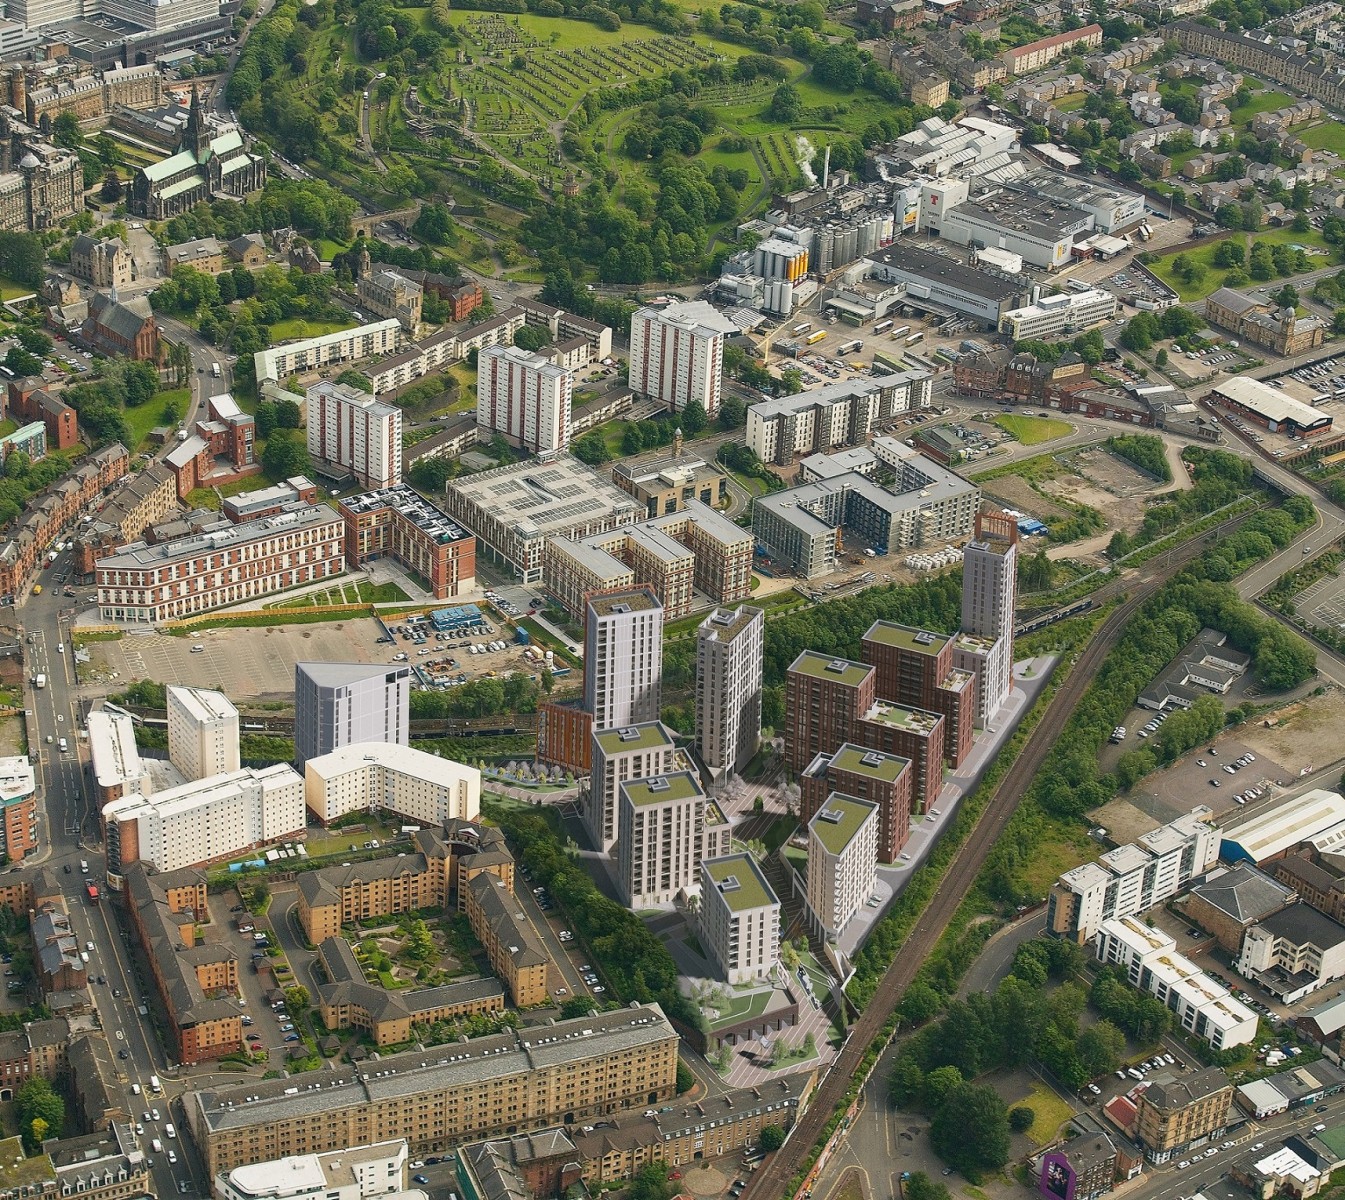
(154, 1085)
(63, 744)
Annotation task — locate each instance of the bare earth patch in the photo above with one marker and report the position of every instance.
(1300, 735)
(1015, 493)
(1123, 821)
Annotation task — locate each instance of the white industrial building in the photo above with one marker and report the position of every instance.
(352, 431)
(1051, 316)
(677, 354)
(202, 732)
(1132, 878)
(738, 919)
(524, 396)
(356, 1173)
(1201, 1005)
(1317, 816)
(206, 820)
(842, 861)
(373, 776)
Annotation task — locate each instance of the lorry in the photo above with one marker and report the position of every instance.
(91, 890)
(40, 682)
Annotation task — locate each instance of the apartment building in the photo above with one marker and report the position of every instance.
(728, 688)
(143, 500)
(148, 584)
(18, 807)
(202, 732)
(658, 834)
(914, 666)
(38, 1048)
(1033, 56)
(561, 325)
(842, 861)
(623, 657)
(1292, 953)
(349, 1001)
(352, 1173)
(57, 964)
(1132, 878)
(268, 501)
(627, 752)
(1053, 316)
(328, 349)
(910, 733)
(349, 430)
(1177, 1115)
(196, 984)
(505, 930)
(382, 776)
(204, 821)
(989, 598)
(340, 704)
(677, 354)
(106, 1164)
(884, 779)
(524, 396)
(738, 920)
(838, 414)
(1202, 1006)
(30, 401)
(400, 523)
(501, 1084)
(823, 698)
(443, 862)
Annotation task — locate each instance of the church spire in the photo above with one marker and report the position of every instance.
(196, 135)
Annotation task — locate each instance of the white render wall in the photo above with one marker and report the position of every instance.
(415, 785)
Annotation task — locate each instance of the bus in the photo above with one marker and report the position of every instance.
(814, 338)
(849, 347)
(902, 332)
(801, 328)
(882, 327)
(917, 336)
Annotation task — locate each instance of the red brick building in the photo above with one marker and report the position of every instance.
(125, 327)
(883, 779)
(824, 698)
(30, 401)
(911, 733)
(565, 736)
(915, 667)
(401, 524)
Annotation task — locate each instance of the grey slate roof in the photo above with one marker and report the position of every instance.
(1244, 893)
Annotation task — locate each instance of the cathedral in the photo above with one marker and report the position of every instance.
(206, 164)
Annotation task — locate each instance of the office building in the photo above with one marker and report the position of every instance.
(328, 350)
(149, 584)
(1202, 1006)
(837, 414)
(1230, 901)
(738, 919)
(501, 1084)
(1050, 317)
(677, 354)
(514, 510)
(989, 597)
(884, 779)
(823, 698)
(842, 861)
(1132, 878)
(373, 776)
(1177, 1115)
(658, 827)
(196, 983)
(664, 485)
(524, 396)
(910, 733)
(202, 732)
(349, 430)
(105, 262)
(338, 704)
(623, 658)
(205, 821)
(352, 1173)
(400, 523)
(114, 757)
(1293, 952)
(728, 688)
(628, 752)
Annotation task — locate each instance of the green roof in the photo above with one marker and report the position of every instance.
(171, 165)
(714, 815)
(906, 637)
(648, 735)
(876, 764)
(839, 819)
(677, 785)
(739, 882)
(17, 1170)
(824, 666)
(917, 720)
(636, 599)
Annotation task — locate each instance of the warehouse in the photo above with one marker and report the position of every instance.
(1317, 816)
(1270, 407)
(945, 284)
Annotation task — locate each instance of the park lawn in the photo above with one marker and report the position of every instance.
(1262, 102)
(10, 290)
(326, 250)
(8, 426)
(1214, 276)
(142, 419)
(1071, 103)
(297, 327)
(1329, 135)
(1032, 431)
(1049, 1113)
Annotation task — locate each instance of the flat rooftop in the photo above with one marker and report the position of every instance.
(837, 822)
(946, 271)
(724, 624)
(907, 637)
(660, 789)
(835, 670)
(648, 735)
(876, 764)
(739, 882)
(541, 499)
(413, 508)
(638, 599)
(141, 556)
(900, 716)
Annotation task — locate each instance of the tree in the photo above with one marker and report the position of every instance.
(37, 1102)
(284, 457)
(771, 1137)
(921, 1187)
(732, 413)
(17, 464)
(970, 1131)
(531, 337)
(785, 107)
(1286, 297)
(576, 1006)
(65, 131)
(353, 378)
(297, 1000)
(112, 188)
(1101, 1047)
(693, 418)
(1021, 1118)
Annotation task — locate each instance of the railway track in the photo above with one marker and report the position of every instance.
(771, 1179)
